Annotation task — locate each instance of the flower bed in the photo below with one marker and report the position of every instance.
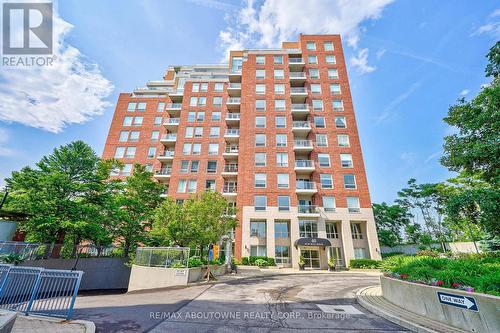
(479, 273)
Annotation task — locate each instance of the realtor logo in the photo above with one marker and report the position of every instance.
(27, 28)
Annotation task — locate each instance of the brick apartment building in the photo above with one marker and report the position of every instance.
(275, 132)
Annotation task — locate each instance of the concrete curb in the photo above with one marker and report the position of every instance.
(88, 325)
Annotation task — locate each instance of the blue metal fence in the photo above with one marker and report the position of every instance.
(34, 290)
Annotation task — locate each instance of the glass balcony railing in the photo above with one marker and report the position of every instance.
(305, 185)
(231, 168)
(164, 171)
(233, 100)
(301, 124)
(298, 90)
(234, 85)
(174, 105)
(167, 153)
(295, 60)
(295, 75)
(233, 116)
(229, 188)
(304, 164)
(232, 132)
(169, 137)
(232, 150)
(302, 144)
(172, 121)
(303, 107)
(307, 209)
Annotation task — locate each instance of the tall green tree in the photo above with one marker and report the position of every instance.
(390, 221)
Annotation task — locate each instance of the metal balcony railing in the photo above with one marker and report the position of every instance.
(301, 124)
(233, 116)
(303, 143)
(233, 100)
(172, 121)
(232, 150)
(232, 132)
(307, 209)
(304, 107)
(305, 185)
(231, 168)
(295, 60)
(164, 171)
(169, 137)
(167, 153)
(299, 75)
(174, 105)
(229, 188)
(304, 164)
(234, 85)
(298, 90)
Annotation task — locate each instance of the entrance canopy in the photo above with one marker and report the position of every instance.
(308, 241)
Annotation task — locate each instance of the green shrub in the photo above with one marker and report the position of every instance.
(194, 262)
(245, 261)
(236, 261)
(177, 265)
(391, 254)
(13, 258)
(364, 263)
(427, 253)
(260, 262)
(270, 262)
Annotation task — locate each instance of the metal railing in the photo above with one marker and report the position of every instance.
(174, 105)
(35, 290)
(234, 116)
(304, 164)
(303, 143)
(298, 90)
(303, 107)
(301, 124)
(169, 137)
(167, 153)
(232, 150)
(164, 171)
(172, 121)
(232, 132)
(37, 251)
(305, 185)
(295, 60)
(231, 168)
(307, 209)
(234, 85)
(229, 188)
(162, 256)
(233, 100)
(300, 75)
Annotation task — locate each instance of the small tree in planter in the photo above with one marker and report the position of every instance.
(302, 263)
(331, 264)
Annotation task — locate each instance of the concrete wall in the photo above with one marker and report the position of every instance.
(7, 230)
(456, 247)
(99, 273)
(423, 300)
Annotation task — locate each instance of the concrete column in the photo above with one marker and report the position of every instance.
(294, 235)
(371, 236)
(347, 241)
(270, 239)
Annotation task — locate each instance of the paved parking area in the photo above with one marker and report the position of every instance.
(273, 303)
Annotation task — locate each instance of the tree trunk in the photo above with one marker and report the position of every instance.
(56, 251)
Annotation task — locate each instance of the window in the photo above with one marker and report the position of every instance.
(130, 152)
(258, 250)
(219, 87)
(193, 101)
(196, 148)
(158, 121)
(141, 106)
(321, 140)
(155, 135)
(258, 228)
(328, 46)
(311, 46)
(313, 73)
(353, 204)
(279, 89)
(134, 136)
(196, 87)
(349, 181)
(260, 180)
(210, 185)
(260, 89)
(282, 254)
(333, 73)
(260, 105)
(329, 204)
(202, 101)
(324, 160)
(282, 159)
(213, 149)
(260, 60)
(151, 152)
(319, 122)
(260, 140)
(184, 166)
(211, 166)
(131, 106)
(312, 59)
(123, 136)
(194, 166)
(236, 64)
(360, 253)
(181, 186)
(260, 159)
(340, 122)
(160, 107)
(281, 229)
(281, 140)
(316, 88)
(326, 181)
(308, 229)
(279, 105)
(343, 140)
(216, 116)
(198, 132)
(283, 203)
(356, 231)
(260, 202)
(335, 88)
(337, 105)
(119, 152)
(189, 132)
(346, 160)
(283, 180)
(217, 101)
(278, 59)
(260, 74)
(186, 149)
(191, 116)
(192, 184)
(204, 87)
(127, 121)
(279, 74)
(330, 59)
(214, 132)
(127, 170)
(317, 104)
(260, 122)
(200, 116)
(280, 122)
(331, 230)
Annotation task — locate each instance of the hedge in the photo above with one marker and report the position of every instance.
(252, 261)
(364, 263)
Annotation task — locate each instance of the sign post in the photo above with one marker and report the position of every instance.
(459, 301)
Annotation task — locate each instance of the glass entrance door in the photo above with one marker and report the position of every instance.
(311, 258)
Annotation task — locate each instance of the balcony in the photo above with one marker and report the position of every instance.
(172, 124)
(168, 139)
(231, 152)
(301, 127)
(229, 190)
(304, 166)
(176, 96)
(302, 145)
(298, 94)
(233, 103)
(297, 77)
(234, 89)
(174, 109)
(235, 76)
(308, 210)
(305, 187)
(232, 134)
(233, 118)
(230, 170)
(168, 155)
(300, 109)
(296, 64)
(163, 174)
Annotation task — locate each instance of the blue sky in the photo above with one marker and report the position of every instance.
(407, 61)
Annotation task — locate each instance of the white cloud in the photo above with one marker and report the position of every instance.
(380, 53)
(360, 63)
(464, 92)
(491, 27)
(433, 156)
(268, 23)
(214, 4)
(72, 91)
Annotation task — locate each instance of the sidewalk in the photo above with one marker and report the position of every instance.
(371, 299)
(37, 324)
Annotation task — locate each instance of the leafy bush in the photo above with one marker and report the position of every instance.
(364, 263)
(427, 253)
(252, 260)
(177, 265)
(236, 261)
(260, 262)
(245, 261)
(391, 254)
(13, 258)
(194, 262)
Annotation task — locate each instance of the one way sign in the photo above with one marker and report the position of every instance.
(459, 301)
